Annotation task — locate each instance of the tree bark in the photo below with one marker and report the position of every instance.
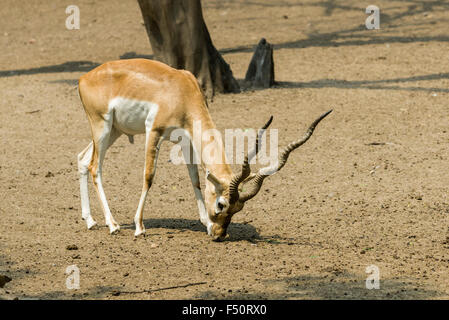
(179, 38)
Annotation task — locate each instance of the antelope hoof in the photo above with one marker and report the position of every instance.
(91, 224)
(114, 229)
(139, 233)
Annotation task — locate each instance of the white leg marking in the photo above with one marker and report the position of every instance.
(189, 158)
(138, 218)
(108, 137)
(140, 228)
(84, 159)
(193, 173)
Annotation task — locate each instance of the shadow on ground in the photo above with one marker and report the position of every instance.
(69, 66)
(338, 84)
(99, 292)
(334, 284)
(345, 37)
(237, 231)
(369, 84)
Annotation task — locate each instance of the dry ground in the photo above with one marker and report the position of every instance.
(340, 204)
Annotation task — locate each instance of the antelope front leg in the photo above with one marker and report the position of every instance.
(191, 158)
(152, 146)
(193, 173)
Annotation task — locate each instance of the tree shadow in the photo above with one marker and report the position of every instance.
(134, 55)
(368, 84)
(332, 284)
(8, 268)
(345, 37)
(349, 37)
(321, 83)
(334, 39)
(69, 66)
(70, 82)
(328, 5)
(237, 231)
(98, 292)
(18, 275)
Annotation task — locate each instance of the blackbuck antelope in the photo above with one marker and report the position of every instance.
(140, 96)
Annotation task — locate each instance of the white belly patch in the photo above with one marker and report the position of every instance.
(133, 116)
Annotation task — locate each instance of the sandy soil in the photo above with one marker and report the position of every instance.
(341, 204)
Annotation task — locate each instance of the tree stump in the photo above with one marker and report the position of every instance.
(260, 73)
(179, 38)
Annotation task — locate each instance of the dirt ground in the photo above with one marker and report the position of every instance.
(371, 187)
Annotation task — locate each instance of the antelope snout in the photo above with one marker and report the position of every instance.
(219, 238)
(218, 233)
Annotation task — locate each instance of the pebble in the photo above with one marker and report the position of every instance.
(4, 280)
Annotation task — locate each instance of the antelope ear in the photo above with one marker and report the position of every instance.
(215, 181)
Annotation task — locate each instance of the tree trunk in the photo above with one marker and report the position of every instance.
(179, 38)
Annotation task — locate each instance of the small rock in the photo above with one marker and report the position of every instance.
(72, 247)
(4, 280)
(154, 245)
(49, 174)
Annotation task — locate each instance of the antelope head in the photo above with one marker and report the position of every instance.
(224, 198)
